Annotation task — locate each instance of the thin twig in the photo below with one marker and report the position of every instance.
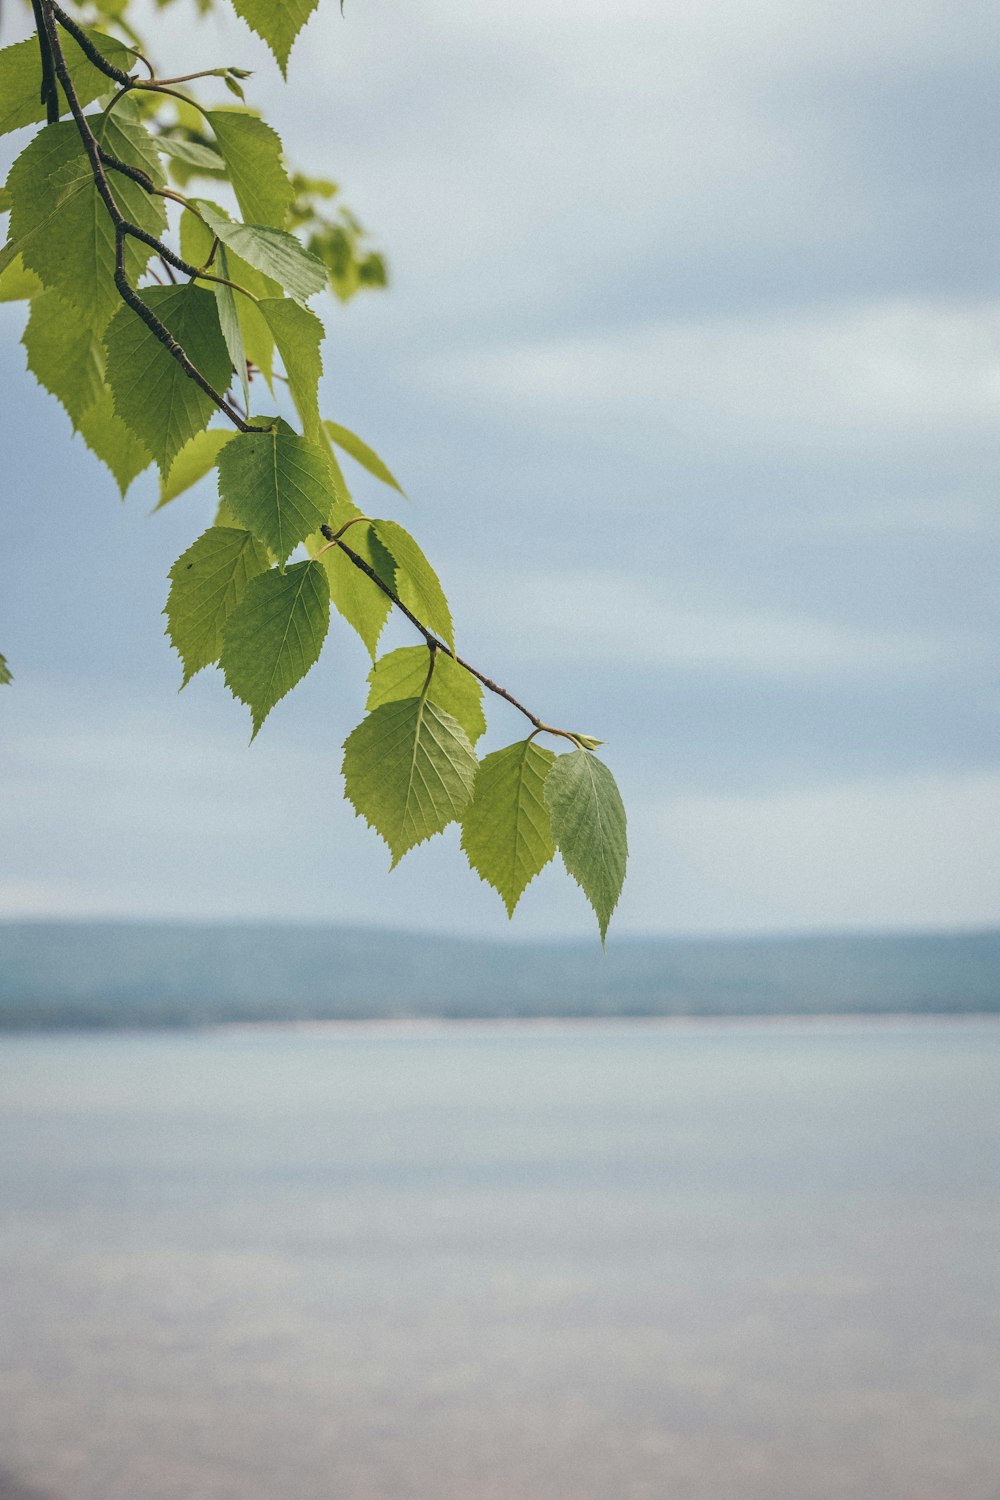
(184, 77)
(152, 87)
(434, 643)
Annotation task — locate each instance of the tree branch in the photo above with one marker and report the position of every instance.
(45, 10)
(84, 43)
(49, 94)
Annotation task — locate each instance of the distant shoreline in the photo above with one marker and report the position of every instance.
(111, 976)
(418, 1026)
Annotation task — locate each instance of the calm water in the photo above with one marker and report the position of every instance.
(713, 1263)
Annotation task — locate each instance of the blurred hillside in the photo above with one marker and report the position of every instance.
(148, 974)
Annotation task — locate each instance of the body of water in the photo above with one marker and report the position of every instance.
(703, 1262)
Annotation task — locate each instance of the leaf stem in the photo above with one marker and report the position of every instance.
(432, 649)
(335, 538)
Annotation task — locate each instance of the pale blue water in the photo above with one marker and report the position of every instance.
(712, 1263)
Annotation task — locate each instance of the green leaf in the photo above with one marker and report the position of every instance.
(229, 322)
(60, 223)
(153, 395)
(21, 77)
(5, 672)
(225, 517)
(195, 245)
(35, 215)
(362, 454)
(106, 435)
(588, 821)
(409, 771)
(252, 151)
(193, 462)
(298, 334)
(271, 251)
(278, 485)
(207, 583)
(506, 830)
(356, 597)
(417, 584)
(402, 674)
(64, 355)
(278, 25)
(17, 283)
(196, 237)
(275, 636)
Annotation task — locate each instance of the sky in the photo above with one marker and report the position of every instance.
(690, 368)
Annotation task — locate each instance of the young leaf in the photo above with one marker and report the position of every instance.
(278, 25)
(409, 771)
(207, 582)
(362, 454)
(402, 673)
(64, 355)
(274, 637)
(278, 485)
(153, 395)
(193, 462)
(60, 223)
(5, 673)
(271, 251)
(417, 584)
(21, 77)
(252, 152)
(506, 830)
(362, 604)
(106, 435)
(588, 821)
(298, 334)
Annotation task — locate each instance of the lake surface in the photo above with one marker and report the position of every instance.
(623, 1262)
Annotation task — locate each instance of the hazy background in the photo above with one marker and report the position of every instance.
(689, 366)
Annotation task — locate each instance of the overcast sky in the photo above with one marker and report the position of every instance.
(691, 368)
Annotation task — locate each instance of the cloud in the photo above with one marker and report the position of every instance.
(892, 370)
(604, 616)
(890, 853)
